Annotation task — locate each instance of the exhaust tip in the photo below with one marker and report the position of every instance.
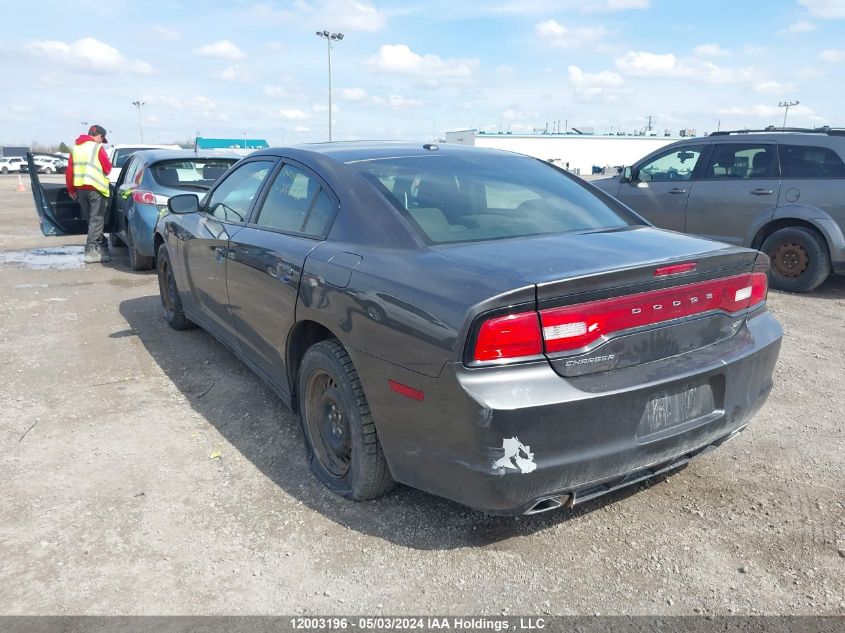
(545, 505)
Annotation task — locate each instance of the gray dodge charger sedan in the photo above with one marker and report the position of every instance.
(473, 323)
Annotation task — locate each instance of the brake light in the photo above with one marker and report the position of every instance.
(144, 197)
(508, 337)
(572, 327)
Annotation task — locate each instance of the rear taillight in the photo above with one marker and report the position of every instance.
(573, 327)
(509, 337)
(144, 197)
(568, 328)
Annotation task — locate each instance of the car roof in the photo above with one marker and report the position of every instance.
(349, 151)
(153, 155)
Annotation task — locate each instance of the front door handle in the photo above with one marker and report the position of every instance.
(677, 191)
(220, 253)
(762, 192)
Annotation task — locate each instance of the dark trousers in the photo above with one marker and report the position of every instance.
(93, 205)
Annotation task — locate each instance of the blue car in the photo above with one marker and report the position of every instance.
(147, 182)
(139, 197)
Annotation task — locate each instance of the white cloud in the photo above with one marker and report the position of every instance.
(710, 50)
(540, 7)
(320, 107)
(604, 86)
(353, 95)
(292, 114)
(274, 91)
(346, 15)
(233, 73)
(90, 54)
(399, 59)
(830, 9)
(799, 27)
(301, 129)
(397, 102)
(200, 106)
(769, 113)
(164, 33)
(772, 87)
(555, 34)
(514, 114)
(832, 55)
(505, 72)
(644, 64)
(224, 49)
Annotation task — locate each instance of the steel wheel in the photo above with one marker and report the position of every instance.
(329, 423)
(790, 260)
(343, 444)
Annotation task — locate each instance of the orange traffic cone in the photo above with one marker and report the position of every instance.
(20, 184)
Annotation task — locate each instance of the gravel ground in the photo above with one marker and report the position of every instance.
(146, 471)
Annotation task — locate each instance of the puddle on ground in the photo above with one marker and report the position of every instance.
(61, 258)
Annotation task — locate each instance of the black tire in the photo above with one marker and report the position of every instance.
(5, 170)
(343, 445)
(136, 260)
(170, 301)
(800, 259)
(115, 241)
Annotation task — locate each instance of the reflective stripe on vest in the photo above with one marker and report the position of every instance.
(87, 169)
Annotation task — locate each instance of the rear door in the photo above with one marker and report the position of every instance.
(737, 190)
(660, 187)
(265, 262)
(58, 213)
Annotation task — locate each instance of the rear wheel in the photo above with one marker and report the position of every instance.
(170, 301)
(343, 444)
(137, 261)
(115, 241)
(800, 259)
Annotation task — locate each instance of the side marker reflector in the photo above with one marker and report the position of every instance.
(405, 390)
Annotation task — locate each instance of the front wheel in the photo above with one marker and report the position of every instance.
(170, 301)
(799, 258)
(4, 170)
(343, 445)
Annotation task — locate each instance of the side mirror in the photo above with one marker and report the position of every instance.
(184, 203)
(627, 174)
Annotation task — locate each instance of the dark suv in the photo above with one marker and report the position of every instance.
(781, 191)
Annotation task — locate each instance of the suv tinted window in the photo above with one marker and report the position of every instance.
(805, 161)
(484, 197)
(676, 164)
(742, 161)
(232, 200)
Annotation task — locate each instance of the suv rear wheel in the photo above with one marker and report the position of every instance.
(800, 259)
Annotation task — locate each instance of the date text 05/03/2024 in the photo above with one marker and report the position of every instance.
(417, 623)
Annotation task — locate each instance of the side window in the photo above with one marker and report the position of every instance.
(128, 173)
(677, 164)
(742, 161)
(321, 215)
(803, 161)
(233, 199)
(288, 201)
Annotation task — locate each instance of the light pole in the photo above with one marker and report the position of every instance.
(787, 105)
(330, 37)
(138, 105)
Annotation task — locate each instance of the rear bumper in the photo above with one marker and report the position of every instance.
(577, 437)
(142, 219)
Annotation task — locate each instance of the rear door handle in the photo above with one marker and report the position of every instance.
(762, 192)
(677, 191)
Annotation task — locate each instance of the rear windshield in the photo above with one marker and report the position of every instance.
(190, 173)
(484, 197)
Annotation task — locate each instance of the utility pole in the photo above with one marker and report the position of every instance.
(330, 37)
(787, 105)
(138, 105)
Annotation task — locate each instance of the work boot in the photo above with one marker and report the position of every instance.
(93, 254)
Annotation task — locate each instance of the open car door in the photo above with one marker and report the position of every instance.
(58, 213)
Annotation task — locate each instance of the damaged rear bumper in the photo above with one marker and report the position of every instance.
(522, 439)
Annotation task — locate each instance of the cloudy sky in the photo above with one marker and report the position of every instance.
(414, 68)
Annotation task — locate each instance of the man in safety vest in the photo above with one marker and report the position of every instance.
(87, 181)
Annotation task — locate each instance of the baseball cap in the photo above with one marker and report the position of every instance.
(98, 129)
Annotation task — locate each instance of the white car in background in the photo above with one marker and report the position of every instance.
(11, 163)
(119, 154)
